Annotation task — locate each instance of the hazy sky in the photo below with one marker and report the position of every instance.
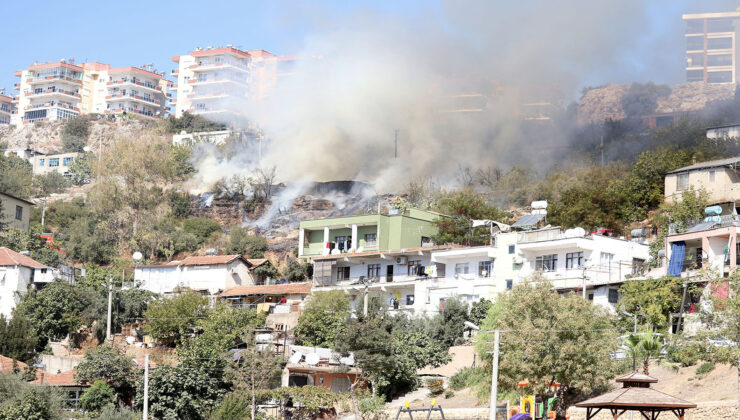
(646, 46)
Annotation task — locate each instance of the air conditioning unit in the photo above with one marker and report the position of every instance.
(402, 260)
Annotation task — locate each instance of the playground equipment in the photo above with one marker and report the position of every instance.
(530, 408)
(432, 408)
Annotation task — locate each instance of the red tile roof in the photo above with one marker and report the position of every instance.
(275, 289)
(8, 257)
(256, 262)
(6, 364)
(208, 260)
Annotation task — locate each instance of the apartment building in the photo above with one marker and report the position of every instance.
(49, 92)
(7, 108)
(62, 90)
(728, 131)
(374, 232)
(712, 48)
(16, 211)
(58, 162)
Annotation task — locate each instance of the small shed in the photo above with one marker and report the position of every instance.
(636, 395)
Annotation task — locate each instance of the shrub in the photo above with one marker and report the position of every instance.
(201, 227)
(74, 134)
(242, 242)
(435, 386)
(50, 183)
(461, 378)
(704, 368)
(370, 406)
(234, 406)
(98, 396)
(686, 354)
(449, 393)
(180, 203)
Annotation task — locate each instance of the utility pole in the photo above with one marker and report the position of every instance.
(43, 213)
(494, 375)
(602, 150)
(395, 144)
(108, 335)
(364, 303)
(146, 387)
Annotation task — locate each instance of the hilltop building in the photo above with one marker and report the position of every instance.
(7, 108)
(712, 48)
(62, 90)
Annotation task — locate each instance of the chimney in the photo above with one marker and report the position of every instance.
(693, 160)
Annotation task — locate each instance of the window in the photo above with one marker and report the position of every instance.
(694, 60)
(509, 284)
(719, 25)
(426, 241)
(19, 213)
(719, 43)
(462, 268)
(53, 162)
(682, 182)
(719, 60)
(414, 267)
(573, 260)
(719, 77)
(511, 249)
(409, 300)
(637, 264)
(606, 259)
(613, 295)
(371, 239)
(41, 162)
(695, 26)
(711, 175)
(695, 75)
(66, 161)
(591, 297)
(484, 268)
(342, 273)
(546, 262)
(694, 43)
(373, 271)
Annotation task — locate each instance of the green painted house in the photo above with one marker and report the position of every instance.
(373, 232)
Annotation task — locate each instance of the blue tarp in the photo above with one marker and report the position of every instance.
(678, 253)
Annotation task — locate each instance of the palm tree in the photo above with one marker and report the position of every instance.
(644, 347)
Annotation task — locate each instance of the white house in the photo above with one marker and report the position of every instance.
(18, 272)
(209, 275)
(573, 260)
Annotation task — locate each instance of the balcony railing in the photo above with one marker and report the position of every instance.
(724, 221)
(539, 235)
(128, 95)
(145, 83)
(53, 77)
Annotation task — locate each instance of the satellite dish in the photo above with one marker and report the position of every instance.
(312, 359)
(137, 256)
(296, 357)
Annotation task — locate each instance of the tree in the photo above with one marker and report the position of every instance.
(644, 347)
(50, 183)
(16, 176)
(464, 206)
(21, 400)
(55, 311)
(80, 171)
(201, 227)
(323, 319)
(256, 370)
(97, 397)
(244, 243)
(654, 299)
(191, 123)
(295, 270)
(449, 325)
(479, 311)
(567, 340)
(679, 214)
(168, 320)
(107, 363)
(17, 339)
(74, 134)
(179, 393)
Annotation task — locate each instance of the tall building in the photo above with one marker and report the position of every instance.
(62, 90)
(49, 92)
(215, 82)
(7, 106)
(712, 49)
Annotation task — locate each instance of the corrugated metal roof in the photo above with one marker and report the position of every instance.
(708, 164)
(529, 220)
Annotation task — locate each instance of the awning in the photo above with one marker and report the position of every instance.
(678, 253)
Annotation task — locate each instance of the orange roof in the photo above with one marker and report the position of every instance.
(274, 289)
(176, 59)
(216, 51)
(57, 64)
(136, 70)
(6, 98)
(6, 364)
(8, 257)
(208, 260)
(60, 379)
(256, 262)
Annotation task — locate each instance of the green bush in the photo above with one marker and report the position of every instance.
(201, 227)
(704, 368)
(234, 406)
(685, 354)
(50, 183)
(461, 378)
(435, 386)
(179, 203)
(370, 406)
(449, 393)
(242, 242)
(74, 134)
(98, 396)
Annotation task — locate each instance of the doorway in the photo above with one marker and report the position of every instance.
(389, 273)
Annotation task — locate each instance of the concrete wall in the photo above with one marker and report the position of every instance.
(724, 188)
(9, 212)
(41, 163)
(213, 278)
(14, 283)
(54, 364)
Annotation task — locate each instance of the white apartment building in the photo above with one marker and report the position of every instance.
(136, 91)
(49, 92)
(209, 275)
(712, 48)
(62, 90)
(7, 108)
(18, 273)
(576, 261)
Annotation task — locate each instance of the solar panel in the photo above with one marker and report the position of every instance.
(529, 220)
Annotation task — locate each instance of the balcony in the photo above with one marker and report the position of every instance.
(122, 97)
(216, 80)
(202, 67)
(53, 92)
(130, 110)
(67, 79)
(701, 224)
(145, 84)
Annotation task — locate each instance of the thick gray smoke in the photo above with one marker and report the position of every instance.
(359, 78)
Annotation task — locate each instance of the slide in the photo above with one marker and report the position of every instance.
(521, 416)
